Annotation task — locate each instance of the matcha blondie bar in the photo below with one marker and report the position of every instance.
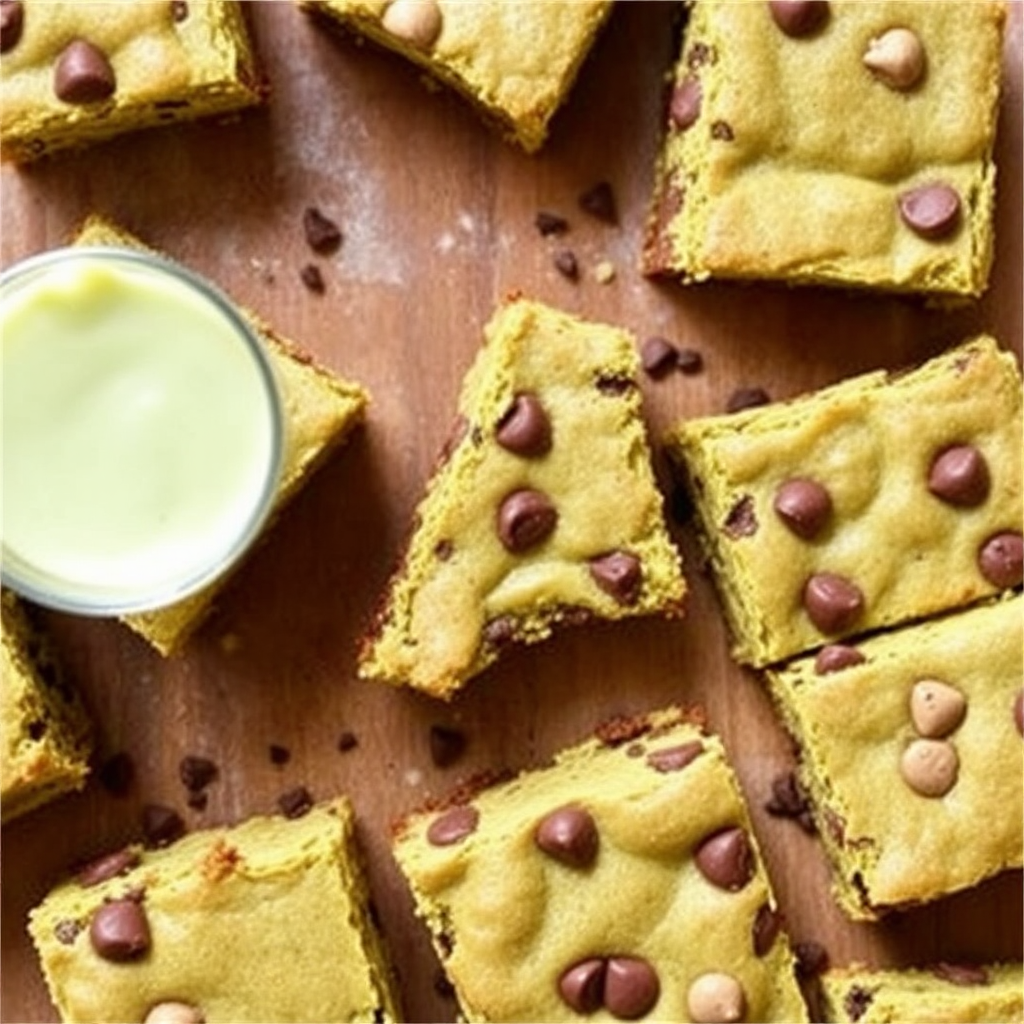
(266, 921)
(75, 73)
(621, 883)
(543, 510)
(878, 500)
(843, 143)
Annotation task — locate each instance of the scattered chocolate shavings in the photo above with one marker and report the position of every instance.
(566, 264)
(312, 278)
(550, 223)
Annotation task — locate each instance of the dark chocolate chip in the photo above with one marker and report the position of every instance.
(196, 773)
(1018, 711)
(453, 826)
(856, 1002)
(1001, 559)
(674, 759)
(550, 223)
(614, 385)
(582, 985)
(447, 745)
(931, 211)
(811, 958)
(961, 974)
(347, 741)
(836, 657)
(599, 202)
(959, 475)
(117, 774)
(833, 602)
(161, 825)
(279, 755)
(726, 859)
(67, 930)
(619, 574)
(741, 520)
(804, 506)
(119, 930)
(767, 924)
(83, 74)
(722, 131)
(631, 987)
(684, 107)
(568, 834)
(295, 802)
(690, 361)
(566, 264)
(108, 866)
(525, 428)
(312, 278)
(658, 355)
(799, 17)
(789, 800)
(525, 519)
(747, 398)
(12, 19)
(179, 9)
(322, 234)
(500, 632)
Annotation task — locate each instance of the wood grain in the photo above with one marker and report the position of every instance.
(438, 221)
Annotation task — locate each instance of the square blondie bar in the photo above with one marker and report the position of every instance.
(265, 921)
(623, 880)
(878, 500)
(841, 143)
(75, 73)
(911, 751)
(515, 60)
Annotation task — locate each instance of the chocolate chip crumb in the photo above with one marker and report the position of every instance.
(566, 264)
(722, 131)
(312, 278)
(347, 741)
(747, 398)
(599, 202)
(322, 234)
(550, 223)
(856, 1002)
(117, 774)
(811, 958)
(789, 800)
(447, 745)
(67, 930)
(689, 361)
(295, 802)
(198, 801)
(657, 356)
(500, 631)
(741, 520)
(161, 825)
(197, 773)
(279, 755)
(961, 974)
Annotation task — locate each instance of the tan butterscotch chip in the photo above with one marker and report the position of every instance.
(930, 767)
(936, 708)
(896, 58)
(417, 22)
(716, 997)
(173, 1012)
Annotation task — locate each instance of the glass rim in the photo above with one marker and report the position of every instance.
(85, 599)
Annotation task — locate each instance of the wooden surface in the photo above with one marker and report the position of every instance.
(438, 221)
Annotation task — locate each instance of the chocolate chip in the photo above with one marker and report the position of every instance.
(12, 20)
(961, 974)
(279, 755)
(453, 826)
(568, 834)
(674, 759)
(447, 745)
(117, 773)
(857, 1001)
(747, 398)
(722, 131)
(811, 958)
(741, 520)
(658, 355)
(836, 657)
(500, 632)
(833, 602)
(108, 866)
(799, 18)
(959, 475)
(767, 925)
(582, 985)
(631, 987)
(930, 767)
(684, 107)
(312, 278)
(347, 741)
(196, 773)
(83, 74)
(789, 800)
(1018, 711)
(119, 930)
(161, 825)
(173, 1012)
(417, 22)
(322, 234)
(1001, 559)
(550, 223)
(619, 574)
(525, 519)
(179, 9)
(726, 859)
(599, 202)
(936, 708)
(295, 802)
(525, 428)
(716, 996)
(566, 264)
(931, 211)
(804, 506)
(690, 361)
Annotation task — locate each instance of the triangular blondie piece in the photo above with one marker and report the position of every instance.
(543, 509)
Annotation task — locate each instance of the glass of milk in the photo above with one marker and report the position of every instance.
(141, 431)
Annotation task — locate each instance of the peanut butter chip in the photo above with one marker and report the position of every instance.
(930, 767)
(716, 997)
(896, 58)
(417, 22)
(936, 708)
(173, 1012)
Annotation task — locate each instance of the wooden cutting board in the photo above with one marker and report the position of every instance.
(438, 217)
